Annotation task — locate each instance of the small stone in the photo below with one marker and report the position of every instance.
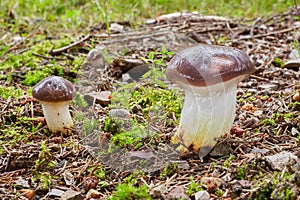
(177, 193)
(258, 113)
(294, 131)
(252, 90)
(159, 191)
(182, 164)
(126, 78)
(119, 113)
(22, 182)
(150, 21)
(280, 160)
(141, 155)
(117, 28)
(202, 195)
(68, 177)
(221, 149)
(292, 64)
(268, 87)
(56, 193)
(102, 98)
(258, 150)
(93, 194)
(71, 195)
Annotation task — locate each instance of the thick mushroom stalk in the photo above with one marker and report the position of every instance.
(209, 75)
(57, 115)
(203, 118)
(54, 94)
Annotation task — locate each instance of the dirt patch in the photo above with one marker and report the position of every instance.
(266, 124)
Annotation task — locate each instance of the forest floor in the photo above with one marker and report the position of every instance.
(120, 146)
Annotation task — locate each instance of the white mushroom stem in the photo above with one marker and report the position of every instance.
(208, 113)
(57, 116)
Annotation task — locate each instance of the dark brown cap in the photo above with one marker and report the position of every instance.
(205, 65)
(54, 89)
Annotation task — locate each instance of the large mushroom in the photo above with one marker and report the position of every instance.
(54, 94)
(209, 75)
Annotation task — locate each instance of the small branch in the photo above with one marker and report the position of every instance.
(259, 78)
(273, 33)
(17, 45)
(47, 57)
(65, 48)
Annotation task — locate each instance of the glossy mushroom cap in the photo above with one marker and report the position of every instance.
(206, 65)
(54, 89)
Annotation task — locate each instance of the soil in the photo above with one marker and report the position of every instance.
(267, 119)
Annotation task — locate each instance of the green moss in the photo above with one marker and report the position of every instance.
(130, 190)
(132, 138)
(44, 160)
(241, 173)
(150, 99)
(45, 178)
(268, 121)
(193, 187)
(278, 186)
(169, 170)
(228, 161)
(100, 173)
(278, 62)
(10, 91)
(33, 77)
(219, 192)
(111, 126)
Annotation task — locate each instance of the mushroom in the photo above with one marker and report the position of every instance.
(54, 94)
(95, 58)
(209, 75)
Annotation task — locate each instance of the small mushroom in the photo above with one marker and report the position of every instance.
(96, 59)
(54, 94)
(209, 75)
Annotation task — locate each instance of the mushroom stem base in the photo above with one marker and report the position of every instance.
(204, 118)
(58, 116)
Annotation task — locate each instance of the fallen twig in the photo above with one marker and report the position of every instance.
(65, 48)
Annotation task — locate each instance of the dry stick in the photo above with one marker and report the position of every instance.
(48, 57)
(135, 38)
(15, 46)
(275, 18)
(254, 24)
(65, 48)
(277, 32)
(259, 78)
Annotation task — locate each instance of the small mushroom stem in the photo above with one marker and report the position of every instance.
(58, 116)
(206, 115)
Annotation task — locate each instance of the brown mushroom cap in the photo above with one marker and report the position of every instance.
(206, 65)
(54, 89)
